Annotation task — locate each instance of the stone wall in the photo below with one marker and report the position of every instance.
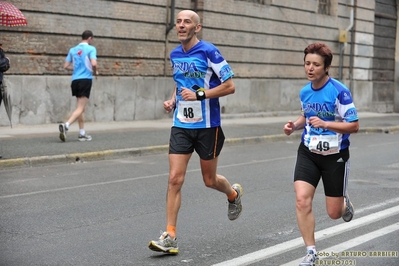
(43, 100)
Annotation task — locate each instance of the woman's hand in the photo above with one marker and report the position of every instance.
(289, 128)
(316, 122)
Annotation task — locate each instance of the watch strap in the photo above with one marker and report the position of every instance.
(200, 97)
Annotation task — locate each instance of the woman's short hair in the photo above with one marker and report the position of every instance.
(321, 49)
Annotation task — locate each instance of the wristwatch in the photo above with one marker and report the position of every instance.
(200, 95)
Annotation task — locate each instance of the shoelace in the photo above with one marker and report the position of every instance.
(309, 258)
(163, 235)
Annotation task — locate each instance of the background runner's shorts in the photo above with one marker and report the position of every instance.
(333, 169)
(81, 87)
(207, 142)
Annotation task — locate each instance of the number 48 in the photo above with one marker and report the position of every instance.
(188, 112)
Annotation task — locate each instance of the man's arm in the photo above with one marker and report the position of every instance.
(223, 89)
(68, 65)
(170, 104)
(94, 66)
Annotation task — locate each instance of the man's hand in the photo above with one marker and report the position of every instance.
(188, 95)
(169, 105)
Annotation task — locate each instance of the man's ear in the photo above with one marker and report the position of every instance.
(198, 28)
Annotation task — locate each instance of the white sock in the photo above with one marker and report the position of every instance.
(67, 125)
(312, 248)
(82, 132)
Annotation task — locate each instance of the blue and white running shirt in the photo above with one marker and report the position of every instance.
(201, 67)
(332, 102)
(80, 56)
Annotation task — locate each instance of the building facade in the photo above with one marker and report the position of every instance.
(263, 40)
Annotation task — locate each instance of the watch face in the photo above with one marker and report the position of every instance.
(201, 93)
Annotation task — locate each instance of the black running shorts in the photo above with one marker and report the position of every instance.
(81, 87)
(333, 169)
(207, 142)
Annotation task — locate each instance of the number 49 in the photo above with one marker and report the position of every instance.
(323, 146)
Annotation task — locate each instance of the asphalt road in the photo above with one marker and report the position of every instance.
(105, 212)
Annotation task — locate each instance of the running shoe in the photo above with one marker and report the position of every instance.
(309, 259)
(349, 211)
(63, 130)
(84, 137)
(164, 244)
(235, 208)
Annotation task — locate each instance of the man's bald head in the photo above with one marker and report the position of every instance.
(189, 13)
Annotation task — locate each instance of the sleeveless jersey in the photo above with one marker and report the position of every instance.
(202, 66)
(80, 56)
(332, 102)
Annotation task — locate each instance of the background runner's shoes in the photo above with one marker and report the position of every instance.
(349, 211)
(63, 131)
(164, 244)
(235, 208)
(84, 137)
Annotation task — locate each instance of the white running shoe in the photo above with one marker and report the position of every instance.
(309, 259)
(63, 130)
(235, 208)
(349, 211)
(164, 244)
(84, 137)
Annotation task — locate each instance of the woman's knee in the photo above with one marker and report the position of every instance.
(335, 215)
(304, 203)
(334, 212)
(304, 193)
(334, 207)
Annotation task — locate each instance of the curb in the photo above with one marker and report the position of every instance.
(136, 152)
(80, 157)
(387, 130)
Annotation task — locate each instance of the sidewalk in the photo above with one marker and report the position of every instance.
(39, 145)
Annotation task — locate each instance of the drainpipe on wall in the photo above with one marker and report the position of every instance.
(396, 69)
(169, 26)
(352, 51)
(343, 46)
(172, 17)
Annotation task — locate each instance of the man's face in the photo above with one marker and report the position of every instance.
(186, 26)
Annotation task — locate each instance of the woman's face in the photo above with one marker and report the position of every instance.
(314, 69)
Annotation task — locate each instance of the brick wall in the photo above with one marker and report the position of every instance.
(259, 40)
(129, 35)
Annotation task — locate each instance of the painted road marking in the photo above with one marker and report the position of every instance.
(351, 243)
(298, 242)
